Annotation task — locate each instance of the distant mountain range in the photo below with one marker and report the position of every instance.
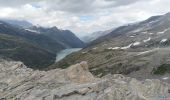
(95, 35)
(138, 50)
(35, 46)
(18, 23)
(66, 37)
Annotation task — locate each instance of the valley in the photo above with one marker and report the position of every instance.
(135, 50)
(84, 50)
(38, 43)
(62, 54)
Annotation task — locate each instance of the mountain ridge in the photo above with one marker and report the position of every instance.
(18, 23)
(137, 50)
(41, 47)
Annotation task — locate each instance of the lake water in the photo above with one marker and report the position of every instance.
(62, 54)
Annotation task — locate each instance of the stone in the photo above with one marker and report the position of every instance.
(79, 73)
(17, 82)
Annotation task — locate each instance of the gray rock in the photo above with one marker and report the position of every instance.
(17, 82)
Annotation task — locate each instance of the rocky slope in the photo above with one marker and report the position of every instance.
(17, 82)
(140, 50)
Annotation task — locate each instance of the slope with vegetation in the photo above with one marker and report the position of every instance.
(36, 49)
(134, 50)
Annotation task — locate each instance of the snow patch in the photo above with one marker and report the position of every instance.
(110, 48)
(147, 40)
(153, 21)
(144, 32)
(31, 31)
(162, 32)
(126, 47)
(132, 36)
(165, 78)
(163, 40)
(141, 53)
(84, 52)
(135, 31)
(136, 43)
(113, 48)
(151, 33)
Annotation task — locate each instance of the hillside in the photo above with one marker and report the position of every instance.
(139, 50)
(20, 50)
(22, 44)
(69, 39)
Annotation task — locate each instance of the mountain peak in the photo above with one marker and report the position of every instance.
(54, 28)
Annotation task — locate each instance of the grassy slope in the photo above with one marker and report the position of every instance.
(19, 49)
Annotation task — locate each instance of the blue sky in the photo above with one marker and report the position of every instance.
(35, 5)
(86, 18)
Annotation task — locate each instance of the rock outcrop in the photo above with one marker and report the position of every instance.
(17, 82)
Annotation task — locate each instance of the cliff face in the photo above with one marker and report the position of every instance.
(17, 82)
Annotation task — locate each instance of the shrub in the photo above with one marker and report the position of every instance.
(162, 69)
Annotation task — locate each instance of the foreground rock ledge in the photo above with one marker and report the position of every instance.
(17, 82)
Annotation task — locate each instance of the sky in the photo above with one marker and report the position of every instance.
(82, 16)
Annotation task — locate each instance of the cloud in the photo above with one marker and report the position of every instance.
(16, 3)
(73, 6)
(84, 6)
(122, 2)
(82, 16)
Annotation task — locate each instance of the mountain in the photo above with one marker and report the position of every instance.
(19, 49)
(64, 36)
(129, 28)
(93, 36)
(74, 83)
(137, 50)
(22, 44)
(19, 23)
